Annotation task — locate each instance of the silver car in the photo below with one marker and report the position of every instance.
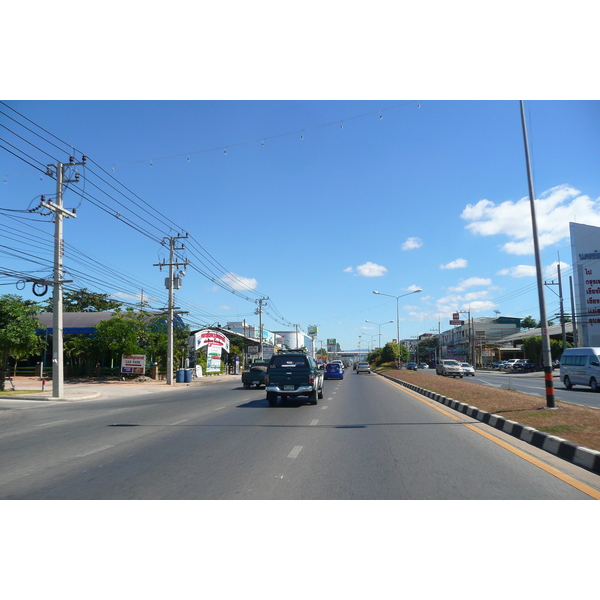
(468, 369)
(448, 367)
(363, 367)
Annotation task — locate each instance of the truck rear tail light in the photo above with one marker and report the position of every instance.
(266, 380)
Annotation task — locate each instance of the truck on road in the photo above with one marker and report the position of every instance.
(291, 374)
(255, 375)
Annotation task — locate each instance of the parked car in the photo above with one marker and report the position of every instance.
(509, 363)
(498, 364)
(468, 369)
(363, 367)
(422, 366)
(334, 371)
(449, 367)
(411, 366)
(524, 365)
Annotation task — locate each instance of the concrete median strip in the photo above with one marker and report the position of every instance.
(578, 455)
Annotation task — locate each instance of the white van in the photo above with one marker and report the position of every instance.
(580, 366)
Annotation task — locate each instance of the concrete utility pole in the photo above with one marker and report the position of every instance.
(547, 355)
(57, 295)
(261, 302)
(172, 283)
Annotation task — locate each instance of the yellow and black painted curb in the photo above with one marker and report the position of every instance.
(578, 455)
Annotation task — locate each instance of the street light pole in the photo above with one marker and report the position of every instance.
(380, 324)
(398, 313)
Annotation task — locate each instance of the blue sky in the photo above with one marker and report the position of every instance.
(314, 204)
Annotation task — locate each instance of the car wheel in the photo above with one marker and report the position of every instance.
(247, 386)
(321, 394)
(271, 398)
(594, 385)
(313, 397)
(567, 382)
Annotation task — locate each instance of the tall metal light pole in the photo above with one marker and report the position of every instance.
(380, 324)
(398, 312)
(547, 356)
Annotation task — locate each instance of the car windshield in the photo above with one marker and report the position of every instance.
(451, 362)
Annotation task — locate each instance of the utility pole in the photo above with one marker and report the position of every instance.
(575, 337)
(261, 302)
(57, 294)
(547, 356)
(172, 283)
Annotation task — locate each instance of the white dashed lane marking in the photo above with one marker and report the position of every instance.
(295, 451)
(314, 421)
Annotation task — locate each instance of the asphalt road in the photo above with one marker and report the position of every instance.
(367, 439)
(534, 383)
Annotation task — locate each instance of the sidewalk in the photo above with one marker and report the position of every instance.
(75, 391)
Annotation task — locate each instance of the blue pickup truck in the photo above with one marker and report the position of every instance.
(291, 374)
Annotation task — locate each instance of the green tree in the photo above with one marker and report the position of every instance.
(533, 349)
(528, 323)
(18, 327)
(125, 334)
(426, 349)
(133, 332)
(84, 301)
(374, 357)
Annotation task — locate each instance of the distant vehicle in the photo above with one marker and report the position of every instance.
(334, 371)
(449, 367)
(580, 366)
(255, 375)
(422, 366)
(524, 365)
(508, 364)
(468, 369)
(363, 367)
(411, 366)
(497, 364)
(337, 362)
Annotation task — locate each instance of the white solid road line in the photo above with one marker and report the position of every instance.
(52, 423)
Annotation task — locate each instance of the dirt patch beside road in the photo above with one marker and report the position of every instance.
(577, 424)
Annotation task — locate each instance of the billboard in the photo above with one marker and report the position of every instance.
(209, 337)
(585, 254)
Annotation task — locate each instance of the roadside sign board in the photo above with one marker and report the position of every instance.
(135, 363)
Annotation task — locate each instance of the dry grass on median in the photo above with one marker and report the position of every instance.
(577, 424)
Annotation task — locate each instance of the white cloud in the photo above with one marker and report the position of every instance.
(370, 269)
(519, 271)
(467, 283)
(554, 209)
(224, 307)
(411, 243)
(550, 272)
(348, 270)
(459, 263)
(413, 288)
(237, 282)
